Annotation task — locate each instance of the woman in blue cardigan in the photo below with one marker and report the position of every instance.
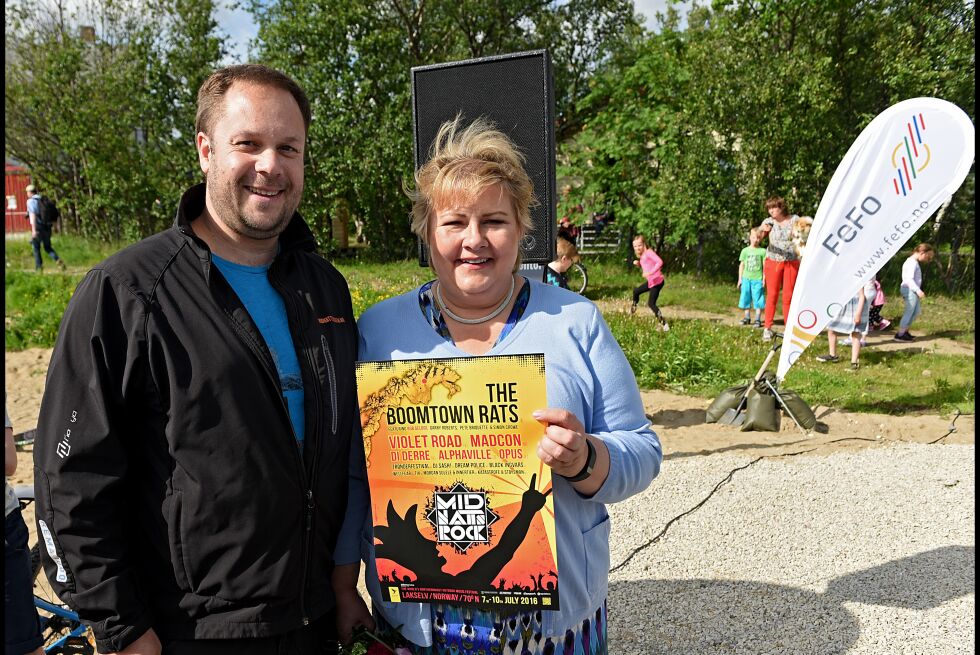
(471, 204)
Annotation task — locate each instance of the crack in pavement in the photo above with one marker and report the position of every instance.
(731, 474)
(657, 538)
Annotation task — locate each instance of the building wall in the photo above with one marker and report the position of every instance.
(15, 181)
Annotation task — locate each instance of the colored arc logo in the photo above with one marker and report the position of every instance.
(910, 156)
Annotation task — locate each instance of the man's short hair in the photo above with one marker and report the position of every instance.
(31, 188)
(463, 162)
(213, 90)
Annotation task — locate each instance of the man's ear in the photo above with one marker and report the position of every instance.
(204, 151)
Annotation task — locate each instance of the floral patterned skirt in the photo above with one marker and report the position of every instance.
(464, 630)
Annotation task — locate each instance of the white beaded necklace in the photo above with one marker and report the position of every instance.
(473, 321)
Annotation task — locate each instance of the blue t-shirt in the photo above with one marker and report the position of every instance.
(268, 312)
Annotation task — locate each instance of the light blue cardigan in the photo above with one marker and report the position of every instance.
(588, 375)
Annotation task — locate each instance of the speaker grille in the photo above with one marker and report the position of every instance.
(515, 92)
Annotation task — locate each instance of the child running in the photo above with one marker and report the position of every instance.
(750, 278)
(651, 265)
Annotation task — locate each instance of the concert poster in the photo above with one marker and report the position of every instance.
(461, 505)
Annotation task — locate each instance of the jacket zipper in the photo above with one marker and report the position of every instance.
(332, 381)
(291, 303)
(264, 357)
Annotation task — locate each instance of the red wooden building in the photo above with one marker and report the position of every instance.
(15, 181)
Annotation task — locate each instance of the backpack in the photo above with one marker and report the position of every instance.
(49, 212)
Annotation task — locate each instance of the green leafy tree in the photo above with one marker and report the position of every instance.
(103, 115)
(354, 58)
(758, 98)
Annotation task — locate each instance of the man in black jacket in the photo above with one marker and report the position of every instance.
(198, 435)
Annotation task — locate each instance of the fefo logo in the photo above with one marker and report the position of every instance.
(461, 517)
(910, 156)
(806, 320)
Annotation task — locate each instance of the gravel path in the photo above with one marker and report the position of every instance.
(869, 551)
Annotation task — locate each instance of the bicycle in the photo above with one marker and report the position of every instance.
(62, 630)
(578, 277)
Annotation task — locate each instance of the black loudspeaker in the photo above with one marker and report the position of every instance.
(515, 92)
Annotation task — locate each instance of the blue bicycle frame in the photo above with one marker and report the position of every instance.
(60, 616)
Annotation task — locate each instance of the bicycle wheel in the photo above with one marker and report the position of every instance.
(578, 278)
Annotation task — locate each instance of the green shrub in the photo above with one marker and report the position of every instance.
(35, 304)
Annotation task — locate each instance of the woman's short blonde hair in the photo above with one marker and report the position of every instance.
(462, 163)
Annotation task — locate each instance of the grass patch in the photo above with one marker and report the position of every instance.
(371, 283)
(78, 254)
(34, 305)
(948, 317)
(697, 357)
(701, 358)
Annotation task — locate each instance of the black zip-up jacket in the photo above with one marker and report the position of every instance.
(170, 490)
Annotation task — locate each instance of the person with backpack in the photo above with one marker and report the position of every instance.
(43, 214)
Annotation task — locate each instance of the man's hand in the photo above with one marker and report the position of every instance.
(147, 644)
(352, 612)
(920, 293)
(351, 609)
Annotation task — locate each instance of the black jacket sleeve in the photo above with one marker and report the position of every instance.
(81, 464)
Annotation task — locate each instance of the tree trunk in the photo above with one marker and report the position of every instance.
(951, 274)
(699, 267)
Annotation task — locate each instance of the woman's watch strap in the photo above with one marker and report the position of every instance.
(589, 465)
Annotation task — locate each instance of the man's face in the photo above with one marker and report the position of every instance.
(253, 160)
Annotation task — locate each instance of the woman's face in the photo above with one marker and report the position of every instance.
(775, 211)
(473, 247)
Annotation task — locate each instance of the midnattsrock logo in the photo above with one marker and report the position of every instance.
(460, 516)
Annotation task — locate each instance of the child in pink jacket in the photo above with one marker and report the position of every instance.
(651, 265)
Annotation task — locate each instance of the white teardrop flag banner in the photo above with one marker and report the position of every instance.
(905, 164)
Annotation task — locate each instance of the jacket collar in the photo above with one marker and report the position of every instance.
(296, 236)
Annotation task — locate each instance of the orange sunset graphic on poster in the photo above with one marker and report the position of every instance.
(461, 505)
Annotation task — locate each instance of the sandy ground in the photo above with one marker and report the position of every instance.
(678, 419)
